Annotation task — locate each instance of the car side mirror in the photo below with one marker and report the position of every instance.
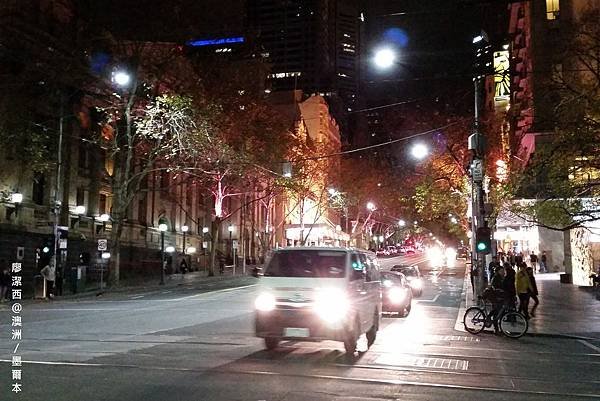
(256, 271)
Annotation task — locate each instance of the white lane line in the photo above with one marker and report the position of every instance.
(429, 300)
(592, 346)
(208, 293)
(75, 309)
(137, 297)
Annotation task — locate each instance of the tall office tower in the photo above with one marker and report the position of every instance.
(312, 45)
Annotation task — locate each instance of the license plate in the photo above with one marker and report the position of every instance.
(296, 332)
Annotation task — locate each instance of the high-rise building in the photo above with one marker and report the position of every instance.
(312, 45)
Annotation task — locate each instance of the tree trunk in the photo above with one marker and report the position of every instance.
(115, 250)
(215, 229)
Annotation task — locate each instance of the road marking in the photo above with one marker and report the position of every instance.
(75, 309)
(438, 363)
(137, 297)
(592, 346)
(208, 293)
(429, 300)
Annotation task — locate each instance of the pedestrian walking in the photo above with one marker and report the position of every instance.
(508, 285)
(5, 281)
(543, 261)
(183, 267)
(49, 274)
(533, 259)
(523, 288)
(519, 259)
(533, 294)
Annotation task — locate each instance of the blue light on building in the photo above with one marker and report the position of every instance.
(215, 42)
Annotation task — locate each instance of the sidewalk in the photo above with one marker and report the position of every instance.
(565, 310)
(192, 280)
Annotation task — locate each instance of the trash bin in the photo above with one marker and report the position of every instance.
(39, 287)
(78, 279)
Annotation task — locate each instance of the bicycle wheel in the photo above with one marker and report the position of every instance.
(513, 324)
(474, 320)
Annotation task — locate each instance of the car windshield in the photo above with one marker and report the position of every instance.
(307, 263)
(396, 279)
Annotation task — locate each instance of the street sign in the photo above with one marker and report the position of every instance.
(102, 245)
(62, 243)
(477, 170)
(235, 244)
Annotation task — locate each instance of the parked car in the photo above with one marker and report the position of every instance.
(413, 276)
(318, 293)
(397, 294)
(392, 250)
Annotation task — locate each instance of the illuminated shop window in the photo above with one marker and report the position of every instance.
(552, 9)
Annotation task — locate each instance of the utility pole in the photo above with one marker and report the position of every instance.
(477, 171)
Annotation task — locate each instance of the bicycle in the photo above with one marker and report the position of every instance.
(511, 323)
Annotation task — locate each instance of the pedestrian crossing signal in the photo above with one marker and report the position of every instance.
(483, 240)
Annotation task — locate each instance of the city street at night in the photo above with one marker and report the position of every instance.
(299, 200)
(192, 344)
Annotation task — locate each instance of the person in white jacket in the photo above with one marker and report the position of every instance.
(49, 273)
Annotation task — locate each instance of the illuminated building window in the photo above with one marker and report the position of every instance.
(552, 9)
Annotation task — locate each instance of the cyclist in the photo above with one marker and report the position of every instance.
(496, 296)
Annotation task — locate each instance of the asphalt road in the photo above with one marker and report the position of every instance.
(187, 344)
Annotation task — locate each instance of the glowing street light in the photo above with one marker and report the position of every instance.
(162, 227)
(121, 78)
(384, 58)
(80, 209)
(170, 249)
(401, 223)
(419, 151)
(371, 206)
(16, 197)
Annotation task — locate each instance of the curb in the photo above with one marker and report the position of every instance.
(174, 283)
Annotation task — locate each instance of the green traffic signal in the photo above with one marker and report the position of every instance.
(483, 240)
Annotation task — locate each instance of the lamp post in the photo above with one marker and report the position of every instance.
(230, 228)
(184, 230)
(162, 227)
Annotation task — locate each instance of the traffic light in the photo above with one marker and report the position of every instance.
(483, 240)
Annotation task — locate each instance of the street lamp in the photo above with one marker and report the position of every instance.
(79, 211)
(16, 198)
(419, 151)
(170, 249)
(184, 230)
(384, 58)
(371, 206)
(230, 228)
(401, 223)
(121, 78)
(162, 227)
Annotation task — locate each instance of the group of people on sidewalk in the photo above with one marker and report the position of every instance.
(539, 263)
(509, 285)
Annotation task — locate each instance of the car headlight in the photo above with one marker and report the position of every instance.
(331, 304)
(396, 295)
(265, 302)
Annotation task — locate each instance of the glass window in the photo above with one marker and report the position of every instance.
(307, 263)
(552, 9)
